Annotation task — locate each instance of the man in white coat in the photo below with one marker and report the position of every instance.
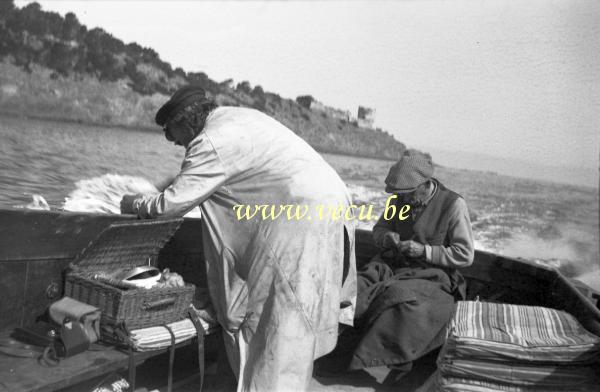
(281, 285)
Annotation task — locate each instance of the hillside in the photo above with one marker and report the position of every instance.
(54, 67)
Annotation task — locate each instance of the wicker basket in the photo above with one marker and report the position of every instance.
(128, 244)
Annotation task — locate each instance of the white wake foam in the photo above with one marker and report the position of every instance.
(103, 194)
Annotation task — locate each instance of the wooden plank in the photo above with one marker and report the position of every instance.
(36, 247)
(45, 284)
(563, 295)
(31, 235)
(27, 375)
(12, 301)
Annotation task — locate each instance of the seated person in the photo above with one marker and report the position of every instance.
(406, 293)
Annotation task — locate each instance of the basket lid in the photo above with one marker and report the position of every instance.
(127, 244)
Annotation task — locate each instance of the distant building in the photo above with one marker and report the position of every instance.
(309, 102)
(305, 100)
(366, 117)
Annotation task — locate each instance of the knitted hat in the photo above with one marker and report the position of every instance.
(182, 98)
(413, 169)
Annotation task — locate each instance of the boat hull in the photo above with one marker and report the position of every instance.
(37, 246)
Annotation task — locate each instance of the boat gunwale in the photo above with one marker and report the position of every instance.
(68, 226)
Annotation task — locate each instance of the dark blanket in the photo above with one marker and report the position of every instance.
(401, 313)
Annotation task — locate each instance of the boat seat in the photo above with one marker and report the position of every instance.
(27, 375)
(517, 348)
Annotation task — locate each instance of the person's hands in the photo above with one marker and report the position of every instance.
(412, 249)
(391, 240)
(127, 203)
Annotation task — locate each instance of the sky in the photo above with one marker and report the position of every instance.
(513, 80)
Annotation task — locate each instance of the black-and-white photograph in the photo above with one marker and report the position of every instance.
(325, 195)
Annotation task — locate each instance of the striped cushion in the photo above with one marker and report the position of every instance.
(458, 384)
(503, 332)
(154, 338)
(548, 376)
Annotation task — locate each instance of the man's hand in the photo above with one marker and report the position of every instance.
(412, 249)
(391, 240)
(127, 203)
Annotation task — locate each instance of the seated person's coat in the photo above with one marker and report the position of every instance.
(405, 303)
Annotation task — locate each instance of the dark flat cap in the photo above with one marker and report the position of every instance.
(181, 98)
(413, 169)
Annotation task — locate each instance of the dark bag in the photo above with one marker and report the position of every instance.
(74, 339)
(79, 328)
(41, 334)
(78, 313)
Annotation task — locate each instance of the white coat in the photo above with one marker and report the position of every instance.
(276, 284)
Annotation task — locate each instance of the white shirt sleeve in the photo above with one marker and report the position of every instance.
(202, 173)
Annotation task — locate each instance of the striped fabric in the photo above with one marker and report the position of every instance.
(502, 347)
(506, 332)
(520, 374)
(457, 384)
(154, 338)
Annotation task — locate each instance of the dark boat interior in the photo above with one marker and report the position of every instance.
(37, 246)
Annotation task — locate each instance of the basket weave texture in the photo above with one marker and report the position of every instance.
(128, 245)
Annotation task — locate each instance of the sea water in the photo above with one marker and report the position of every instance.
(554, 223)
